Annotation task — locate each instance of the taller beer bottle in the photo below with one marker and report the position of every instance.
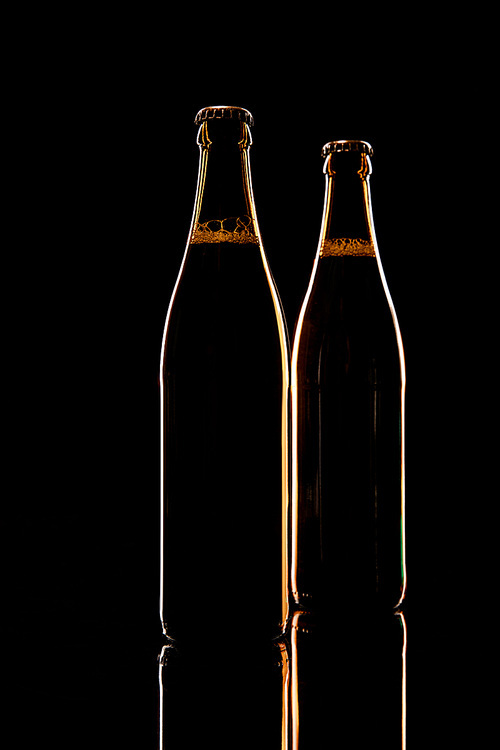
(347, 384)
(224, 408)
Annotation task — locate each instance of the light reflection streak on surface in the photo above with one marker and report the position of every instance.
(285, 688)
(403, 686)
(295, 684)
(302, 689)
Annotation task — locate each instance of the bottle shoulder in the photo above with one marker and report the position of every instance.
(224, 299)
(347, 317)
(347, 290)
(214, 278)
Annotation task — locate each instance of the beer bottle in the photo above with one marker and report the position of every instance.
(224, 408)
(347, 384)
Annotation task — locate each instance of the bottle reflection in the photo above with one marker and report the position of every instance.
(347, 684)
(227, 694)
(326, 683)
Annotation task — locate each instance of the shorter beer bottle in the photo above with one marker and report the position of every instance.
(224, 409)
(348, 385)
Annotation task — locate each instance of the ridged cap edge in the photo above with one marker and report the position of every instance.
(337, 146)
(224, 112)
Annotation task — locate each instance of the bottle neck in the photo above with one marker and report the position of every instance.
(224, 208)
(347, 228)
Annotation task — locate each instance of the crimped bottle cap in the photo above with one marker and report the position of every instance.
(235, 113)
(335, 146)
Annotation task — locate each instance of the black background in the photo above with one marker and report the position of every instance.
(100, 200)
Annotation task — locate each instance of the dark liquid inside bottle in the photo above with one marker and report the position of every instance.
(223, 400)
(349, 441)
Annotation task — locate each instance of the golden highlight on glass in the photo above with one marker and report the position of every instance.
(348, 385)
(224, 408)
(281, 610)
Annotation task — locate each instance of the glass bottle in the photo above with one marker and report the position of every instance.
(348, 385)
(224, 408)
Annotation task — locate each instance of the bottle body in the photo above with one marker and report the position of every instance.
(348, 428)
(224, 381)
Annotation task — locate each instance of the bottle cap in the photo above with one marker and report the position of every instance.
(236, 113)
(336, 146)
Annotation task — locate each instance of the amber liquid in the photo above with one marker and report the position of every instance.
(223, 394)
(348, 469)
